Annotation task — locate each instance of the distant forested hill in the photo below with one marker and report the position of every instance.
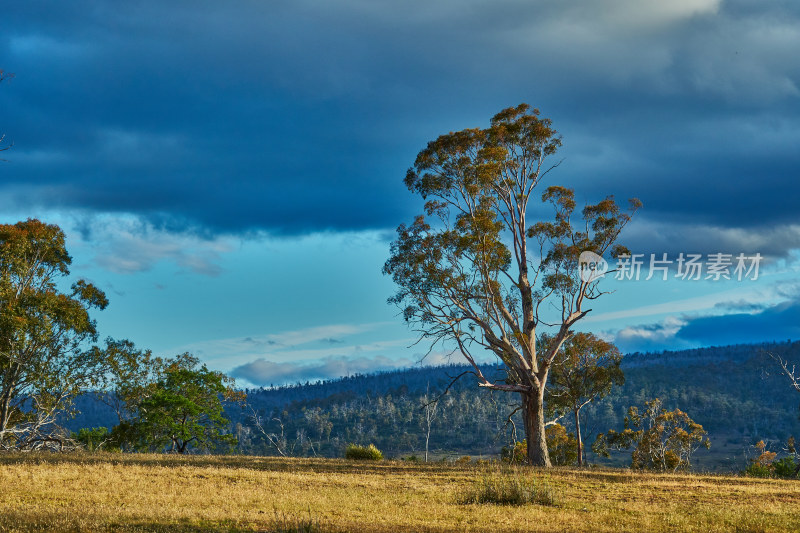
(735, 392)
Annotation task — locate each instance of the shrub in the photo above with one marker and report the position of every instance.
(786, 467)
(363, 453)
(765, 465)
(93, 439)
(508, 487)
(757, 470)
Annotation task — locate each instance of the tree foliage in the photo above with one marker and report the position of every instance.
(661, 440)
(476, 273)
(129, 379)
(44, 360)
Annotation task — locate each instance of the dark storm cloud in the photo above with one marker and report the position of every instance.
(775, 323)
(745, 321)
(300, 116)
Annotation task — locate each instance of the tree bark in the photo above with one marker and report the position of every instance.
(533, 415)
(5, 401)
(578, 436)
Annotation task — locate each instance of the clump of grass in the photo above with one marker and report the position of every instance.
(508, 486)
(292, 523)
(363, 453)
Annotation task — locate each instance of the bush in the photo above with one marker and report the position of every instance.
(786, 467)
(561, 446)
(757, 470)
(508, 487)
(93, 439)
(363, 453)
(765, 465)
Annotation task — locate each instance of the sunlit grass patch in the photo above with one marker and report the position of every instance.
(508, 486)
(283, 522)
(148, 492)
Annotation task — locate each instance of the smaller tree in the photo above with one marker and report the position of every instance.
(583, 372)
(183, 408)
(661, 440)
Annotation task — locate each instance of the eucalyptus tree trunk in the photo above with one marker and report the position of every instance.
(533, 416)
(578, 436)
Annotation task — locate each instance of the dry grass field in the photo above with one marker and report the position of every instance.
(166, 493)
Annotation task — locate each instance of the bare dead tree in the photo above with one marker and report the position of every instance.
(430, 408)
(279, 441)
(787, 369)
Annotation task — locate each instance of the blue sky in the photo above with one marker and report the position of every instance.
(231, 172)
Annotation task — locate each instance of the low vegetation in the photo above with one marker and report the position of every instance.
(766, 464)
(363, 453)
(509, 486)
(156, 492)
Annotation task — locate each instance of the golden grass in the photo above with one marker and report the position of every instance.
(107, 492)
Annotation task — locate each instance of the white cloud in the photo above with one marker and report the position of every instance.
(265, 372)
(127, 244)
(650, 336)
(302, 346)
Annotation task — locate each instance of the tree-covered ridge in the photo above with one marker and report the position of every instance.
(735, 392)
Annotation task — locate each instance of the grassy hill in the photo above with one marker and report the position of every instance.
(115, 492)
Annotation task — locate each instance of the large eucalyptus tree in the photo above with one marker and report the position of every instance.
(477, 272)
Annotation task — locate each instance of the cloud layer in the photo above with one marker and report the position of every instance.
(265, 373)
(302, 116)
